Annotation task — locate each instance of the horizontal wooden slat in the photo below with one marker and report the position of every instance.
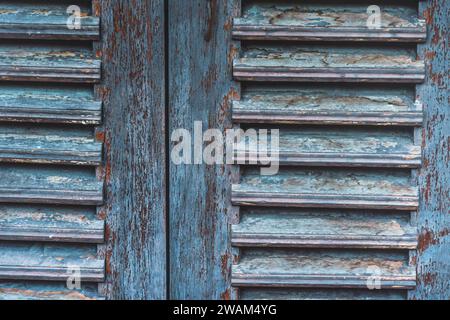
(19, 290)
(49, 148)
(323, 229)
(319, 294)
(327, 189)
(48, 63)
(333, 106)
(49, 225)
(300, 21)
(328, 64)
(45, 104)
(52, 146)
(332, 147)
(323, 269)
(49, 263)
(25, 20)
(22, 184)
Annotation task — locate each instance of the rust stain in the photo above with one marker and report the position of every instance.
(426, 239)
(428, 278)
(226, 295)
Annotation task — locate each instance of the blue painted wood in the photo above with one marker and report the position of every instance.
(201, 89)
(311, 228)
(44, 20)
(49, 104)
(134, 133)
(322, 269)
(26, 290)
(48, 262)
(50, 224)
(46, 145)
(309, 21)
(319, 63)
(331, 105)
(48, 62)
(320, 294)
(312, 146)
(433, 260)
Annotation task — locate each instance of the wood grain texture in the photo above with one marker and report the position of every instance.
(318, 63)
(49, 104)
(333, 105)
(43, 20)
(49, 185)
(134, 133)
(54, 224)
(321, 269)
(308, 21)
(48, 62)
(27, 290)
(309, 228)
(433, 261)
(31, 145)
(201, 89)
(339, 188)
(333, 147)
(271, 294)
(39, 262)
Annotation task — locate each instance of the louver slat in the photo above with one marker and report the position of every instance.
(65, 106)
(48, 263)
(307, 22)
(39, 63)
(328, 64)
(333, 107)
(278, 228)
(47, 148)
(327, 189)
(51, 291)
(31, 224)
(24, 185)
(22, 21)
(336, 148)
(322, 269)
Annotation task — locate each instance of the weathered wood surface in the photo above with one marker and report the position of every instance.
(309, 21)
(40, 62)
(60, 224)
(26, 290)
(310, 228)
(271, 294)
(43, 20)
(28, 144)
(39, 262)
(49, 104)
(340, 105)
(333, 147)
(333, 188)
(322, 268)
(201, 89)
(49, 185)
(318, 63)
(433, 260)
(134, 131)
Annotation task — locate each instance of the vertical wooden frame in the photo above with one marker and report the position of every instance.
(134, 133)
(200, 55)
(433, 260)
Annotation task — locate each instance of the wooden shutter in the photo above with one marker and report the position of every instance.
(50, 181)
(340, 215)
